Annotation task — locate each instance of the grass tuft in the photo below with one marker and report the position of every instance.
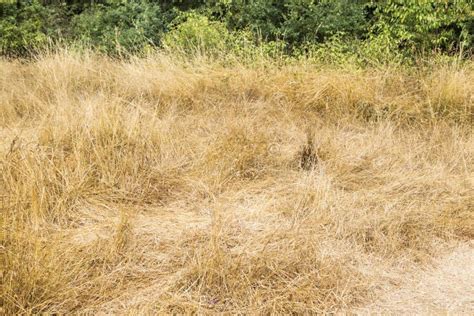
(159, 185)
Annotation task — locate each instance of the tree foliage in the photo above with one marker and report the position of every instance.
(119, 26)
(412, 26)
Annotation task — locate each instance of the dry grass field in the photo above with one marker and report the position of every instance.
(157, 185)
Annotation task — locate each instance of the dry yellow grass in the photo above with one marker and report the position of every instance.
(162, 186)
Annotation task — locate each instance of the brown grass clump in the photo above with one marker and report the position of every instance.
(162, 186)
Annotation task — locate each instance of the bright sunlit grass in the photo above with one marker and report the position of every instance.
(163, 186)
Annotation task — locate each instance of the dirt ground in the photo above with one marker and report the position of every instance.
(445, 287)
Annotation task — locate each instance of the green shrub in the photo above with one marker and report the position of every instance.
(192, 32)
(23, 28)
(362, 29)
(262, 17)
(318, 21)
(424, 25)
(295, 21)
(124, 26)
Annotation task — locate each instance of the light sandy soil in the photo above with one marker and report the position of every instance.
(445, 287)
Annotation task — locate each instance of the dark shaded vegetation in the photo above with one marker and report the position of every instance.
(292, 27)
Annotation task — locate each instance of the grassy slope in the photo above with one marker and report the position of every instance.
(163, 186)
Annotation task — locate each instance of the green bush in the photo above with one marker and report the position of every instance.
(318, 21)
(262, 17)
(366, 28)
(191, 32)
(22, 29)
(124, 26)
(295, 21)
(424, 25)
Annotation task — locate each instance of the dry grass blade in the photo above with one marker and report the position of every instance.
(161, 186)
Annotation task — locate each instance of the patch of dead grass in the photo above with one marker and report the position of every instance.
(156, 185)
